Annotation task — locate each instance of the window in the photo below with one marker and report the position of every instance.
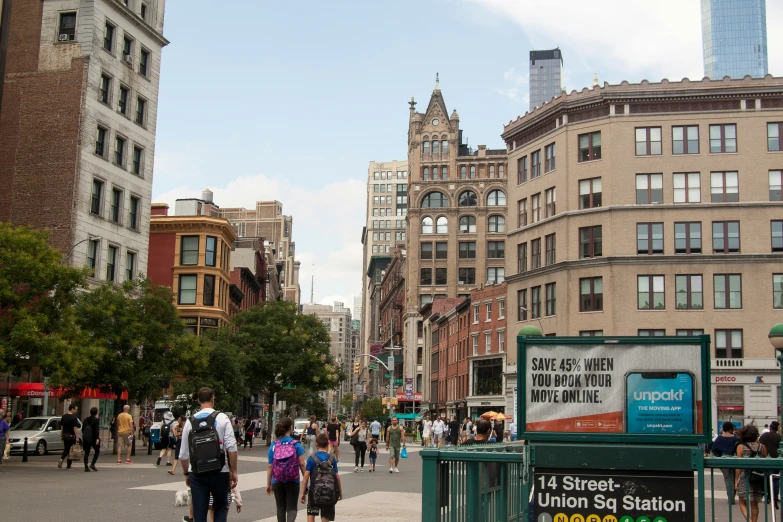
(488, 316)
(496, 198)
(727, 291)
(549, 157)
(726, 237)
(122, 103)
(590, 242)
(425, 175)
(141, 110)
(648, 141)
(127, 49)
(687, 187)
(535, 214)
(496, 275)
(475, 342)
(774, 132)
(551, 299)
(440, 276)
(426, 147)
(467, 250)
(535, 302)
(501, 341)
(104, 91)
(550, 196)
(651, 333)
(119, 151)
(650, 292)
(501, 171)
(522, 257)
(535, 254)
(434, 200)
(685, 140)
(687, 238)
(189, 250)
(724, 187)
(444, 146)
(723, 138)
(426, 225)
(96, 197)
(496, 224)
(522, 205)
(521, 305)
(100, 142)
(501, 308)
(475, 314)
(775, 181)
(144, 62)
(208, 298)
(426, 276)
(777, 291)
(116, 205)
(211, 251)
(776, 234)
(442, 225)
(108, 37)
(649, 188)
(467, 225)
(496, 249)
(133, 213)
(467, 276)
(728, 344)
(467, 199)
(590, 193)
(143, 11)
(535, 164)
(130, 266)
(138, 157)
(187, 290)
(591, 294)
(111, 263)
(649, 238)
(487, 343)
(441, 250)
(688, 292)
(549, 243)
(463, 172)
(67, 30)
(521, 170)
(444, 172)
(590, 146)
(472, 172)
(689, 332)
(491, 171)
(92, 255)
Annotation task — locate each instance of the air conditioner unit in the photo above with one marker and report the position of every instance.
(490, 283)
(128, 58)
(461, 282)
(63, 38)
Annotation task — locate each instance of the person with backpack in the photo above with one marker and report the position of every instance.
(749, 483)
(771, 441)
(322, 480)
(167, 438)
(209, 458)
(91, 430)
(725, 445)
(250, 431)
(286, 460)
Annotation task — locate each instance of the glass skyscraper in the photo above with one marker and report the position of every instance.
(734, 38)
(546, 76)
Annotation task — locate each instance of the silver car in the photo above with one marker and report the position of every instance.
(43, 435)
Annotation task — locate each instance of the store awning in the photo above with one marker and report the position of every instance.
(36, 389)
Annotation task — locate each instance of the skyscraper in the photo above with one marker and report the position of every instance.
(734, 38)
(546, 76)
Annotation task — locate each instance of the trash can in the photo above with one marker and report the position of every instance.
(155, 436)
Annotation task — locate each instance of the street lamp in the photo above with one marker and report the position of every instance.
(776, 340)
(68, 253)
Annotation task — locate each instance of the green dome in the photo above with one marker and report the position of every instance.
(776, 336)
(530, 330)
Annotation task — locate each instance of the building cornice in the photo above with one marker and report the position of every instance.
(139, 23)
(177, 224)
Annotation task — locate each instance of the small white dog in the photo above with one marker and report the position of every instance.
(182, 498)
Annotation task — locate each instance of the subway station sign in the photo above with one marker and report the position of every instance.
(563, 495)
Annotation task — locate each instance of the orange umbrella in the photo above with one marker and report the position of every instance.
(489, 415)
(501, 417)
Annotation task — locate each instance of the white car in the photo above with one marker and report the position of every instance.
(43, 435)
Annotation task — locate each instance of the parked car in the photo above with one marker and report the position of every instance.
(300, 426)
(43, 435)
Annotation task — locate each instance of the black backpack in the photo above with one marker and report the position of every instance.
(323, 483)
(206, 455)
(755, 476)
(165, 431)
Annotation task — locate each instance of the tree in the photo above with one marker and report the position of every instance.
(303, 402)
(372, 409)
(347, 403)
(36, 298)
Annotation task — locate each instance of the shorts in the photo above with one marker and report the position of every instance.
(170, 444)
(334, 443)
(228, 504)
(394, 453)
(373, 459)
(326, 512)
(124, 440)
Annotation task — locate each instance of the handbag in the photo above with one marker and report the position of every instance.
(404, 452)
(76, 452)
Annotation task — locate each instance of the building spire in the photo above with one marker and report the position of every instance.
(437, 83)
(595, 79)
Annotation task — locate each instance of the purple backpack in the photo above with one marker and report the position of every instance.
(285, 464)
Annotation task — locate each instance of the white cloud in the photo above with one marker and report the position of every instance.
(516, 86)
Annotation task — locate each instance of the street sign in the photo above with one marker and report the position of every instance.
(397, 381)
(289, 387)
(373, 366)
(387, 376)
(358, 388)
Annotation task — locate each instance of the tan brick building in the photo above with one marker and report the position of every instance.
(652, 209)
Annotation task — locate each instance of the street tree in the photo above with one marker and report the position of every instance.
(36, 297)
(347, 403)
(372, 409)
(301, 401)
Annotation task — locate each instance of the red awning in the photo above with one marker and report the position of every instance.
(731, 408)
(36, 389)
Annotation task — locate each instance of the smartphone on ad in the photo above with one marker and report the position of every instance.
(659, 402)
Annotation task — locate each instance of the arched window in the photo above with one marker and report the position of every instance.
(496, 224)
(444, 173)
(467, 225)
(435, 146)
(442, 225)
(496, 198)
(467, 199)
(435, 173)
(426, 175)
(435, 200)
(472, 172)
(444, 145)
(426, 147)
(463, 172)
(426, 225)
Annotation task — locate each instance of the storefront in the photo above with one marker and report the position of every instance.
(408, 403)
(746, 394)
(27, 397)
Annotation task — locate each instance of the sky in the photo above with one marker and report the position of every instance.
(263, 100)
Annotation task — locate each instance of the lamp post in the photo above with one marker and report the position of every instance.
(776, 340)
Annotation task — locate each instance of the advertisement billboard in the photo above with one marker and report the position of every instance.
(631, 385)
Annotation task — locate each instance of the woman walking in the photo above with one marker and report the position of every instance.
(744, 484)
(362, 437)
(91, 438)
(310, 434)
(4, 429)
(177, 431)
(250, 430)
(280, 475)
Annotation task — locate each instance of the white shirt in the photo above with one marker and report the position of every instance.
(513, 428)
(375, 427)
(438, 427)
(427, 428)
(224, 430)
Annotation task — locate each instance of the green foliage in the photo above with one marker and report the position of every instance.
(347, 402)
(372, 409)
(36, 295)
(303, 402)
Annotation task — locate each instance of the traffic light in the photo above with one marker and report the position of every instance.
(354, 396)
(356, 367)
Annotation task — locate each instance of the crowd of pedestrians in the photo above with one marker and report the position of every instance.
(436, 432)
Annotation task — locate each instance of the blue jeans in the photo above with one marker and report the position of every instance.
(200, 488)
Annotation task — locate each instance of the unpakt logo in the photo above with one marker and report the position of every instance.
(655, 396)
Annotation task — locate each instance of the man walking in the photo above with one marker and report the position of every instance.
(125, 428)
(69, 424)
(202, 485)
(394, 444)
(437, 432)
(375, 429)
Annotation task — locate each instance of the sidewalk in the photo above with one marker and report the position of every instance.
(377, 506)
